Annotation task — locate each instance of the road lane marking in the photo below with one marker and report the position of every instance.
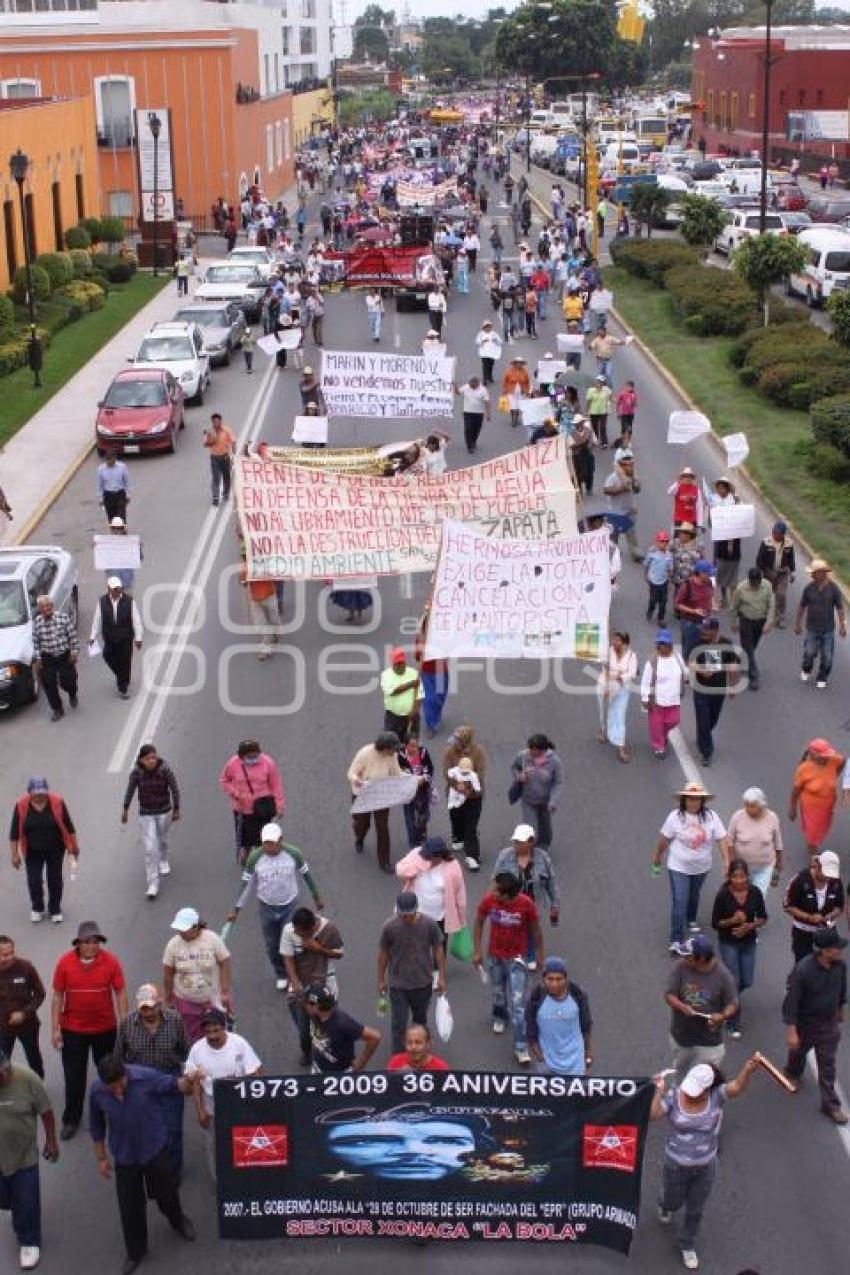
(190, 589)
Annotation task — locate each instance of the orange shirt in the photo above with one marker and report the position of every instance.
(220, 441)
(818, 784)
(516, 378)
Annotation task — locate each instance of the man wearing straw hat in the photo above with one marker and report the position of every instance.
(820, 603)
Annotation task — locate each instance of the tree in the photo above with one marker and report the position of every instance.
(702, 221)
(571, 38)
(371, 40)
(763, 260)
(447, 52)
(648, 203)
(839, 309)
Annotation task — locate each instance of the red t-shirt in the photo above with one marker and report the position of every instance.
(88, 1005)
(509, 924)
(686, 503)
(398, 1062)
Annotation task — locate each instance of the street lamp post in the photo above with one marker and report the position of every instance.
(765, 124)
(19, 167)
(155, 126)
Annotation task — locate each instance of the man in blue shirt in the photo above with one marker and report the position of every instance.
(558, 1023)
(126, 1101)
(113, 487)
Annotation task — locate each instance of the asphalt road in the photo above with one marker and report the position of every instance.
(777, 1204)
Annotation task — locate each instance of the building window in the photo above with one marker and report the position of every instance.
(269, 148)
(751, 106)
(9, 236)
(114, 101)
(733, 112)
(710, 105)
(29, 204)
(277, 73)
(16, 88)
(278, 137)
(120, 203)
(284, 41)
(56, 197)
(79, 190)
(308, 41)
(723, 108)
(286, 150)
(308, 10)
(266, 80)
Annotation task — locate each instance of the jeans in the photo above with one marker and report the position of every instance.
(685, 890)
(603, 368)
(135, 1184)
(435, 688)
(28, 1036)
(507, 987)
(657, 600)
(707, 710)
(375, 318)
(688, 1186)
(220, 477)
(822, 645)
(750, 631)
(761, 878)
(691, 635)
(541, 304)
(540, 819)
(273, 917)
(39, 864)
(404, 1001)
(823, 1038)
(740, 961)
(21, 1193)
(56, 671)
(154, 830)
(75, 1061)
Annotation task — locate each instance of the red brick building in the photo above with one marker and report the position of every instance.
(810, 73)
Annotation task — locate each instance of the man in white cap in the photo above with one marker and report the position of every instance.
(275, 866)
(116, 626)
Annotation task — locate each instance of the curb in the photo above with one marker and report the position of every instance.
(26, 528)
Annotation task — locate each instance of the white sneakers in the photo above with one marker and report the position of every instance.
(690, 1261)
(499, 1025)
(523, 1057)
(281, 984)
(35, 917)
(153, 891)
(472, 864)
(57, 918)
(30, 1257)
(164, 868)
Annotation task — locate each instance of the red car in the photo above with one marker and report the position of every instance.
(142, 412)
(787, 196)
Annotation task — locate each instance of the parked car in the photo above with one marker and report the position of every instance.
(787, 196)
(27, 572)
(828, 207)
(179, 348)
(745, 223)
(262, 259)
(828, 265)
(797, 221)
(241, 284)
(222, 328)
(705, 170)
(142, 411)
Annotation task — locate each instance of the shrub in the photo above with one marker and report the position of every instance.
(792, 344)
(84, 293)
(92, 225)
(77, 237)
(58, 265)
(826, 461)
(13, 354)
(651, 260)
(120, 271)
(7, 314)
(799, 382)
(830, 421)
(102, 280)
(723, 304)
(112, 230)
(839, 308)
(740, 351)
(81, 261)
(41, 285)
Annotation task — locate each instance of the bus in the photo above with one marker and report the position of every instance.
(652, 129)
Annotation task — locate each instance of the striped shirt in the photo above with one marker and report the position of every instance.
(54, 635)
(164, 1049)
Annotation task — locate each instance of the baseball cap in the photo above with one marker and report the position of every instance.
(830, 864)
(522, 832)
(321, 995)
(664, 638)
(663, 536)
(698, 1080)
(114, 583)
(686, 470)
(554, 965)
(433, 847)
(214, 1015)
(407, 903)
(271, 832)
(704, 568)
(148, 994)
(185, 919)
(820, 747)
(38, 783)
(828, 937)
(700, 947)
(397, 654)
(117, 521)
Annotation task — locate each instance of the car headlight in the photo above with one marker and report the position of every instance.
(159, 427)
(104, 429)
(187, 377)
(8, 672)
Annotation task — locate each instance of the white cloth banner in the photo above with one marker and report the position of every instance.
(379, 794)
(409, 194)
(310, 429)
(601, 300)
(387, 385)
(548, 369)
(535, 410)
(737, 449)
(733, 522)
(684, 427)
(117, 553)
(537, 599)
(570, 343)
(286, 339)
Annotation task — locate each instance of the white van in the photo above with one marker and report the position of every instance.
(616, 153)
(828, 266)
(542, 119)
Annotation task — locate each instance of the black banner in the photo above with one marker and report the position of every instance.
(431, 1155)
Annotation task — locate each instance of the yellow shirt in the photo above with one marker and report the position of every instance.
(401, 705)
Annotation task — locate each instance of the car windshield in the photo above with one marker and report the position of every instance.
(135, 394)
(770, 223)
(839, 261)
(205, 318)
(13, 604)
(229, 274)
(166, 349)
(250, 254)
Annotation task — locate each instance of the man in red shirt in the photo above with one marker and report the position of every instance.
(89, 996)
(417, 1055)
(513, 920)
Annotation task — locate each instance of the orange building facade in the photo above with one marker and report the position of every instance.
(63, 180)
(224, 134)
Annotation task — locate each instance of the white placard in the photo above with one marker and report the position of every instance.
(378, 794)
(164, 204)
(548, 369)
(535, 410)
(684, 427)
(310, 429)
(737, 449)
(117, 553)
(571, 343)
(601, 300)
(438, 348)
(733, 522)
(379, 385)
(349, 583)
(534, 599)
(286, 339)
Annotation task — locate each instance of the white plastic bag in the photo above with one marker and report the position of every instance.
(443, 1018)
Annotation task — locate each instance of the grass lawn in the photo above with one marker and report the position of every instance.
(70, 349)
(780, 439)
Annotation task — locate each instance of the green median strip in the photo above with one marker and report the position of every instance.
(70, 349)
(780, 439)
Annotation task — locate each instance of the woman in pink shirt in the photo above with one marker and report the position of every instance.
(252, 781)
(435, 877)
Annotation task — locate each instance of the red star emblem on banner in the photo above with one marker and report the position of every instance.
(259, 1146)
(611, 1146)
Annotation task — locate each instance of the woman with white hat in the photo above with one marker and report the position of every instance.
(694, 1112)
(755, 835)
(489, 350)
(688, 837)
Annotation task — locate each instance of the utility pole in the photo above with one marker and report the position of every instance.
(765, 123)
